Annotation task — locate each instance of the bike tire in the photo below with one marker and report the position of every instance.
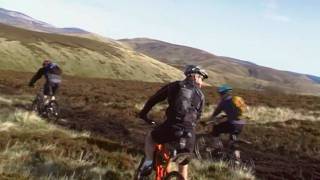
(53, 111)
(35, 106)
(205, 150)
(174, 175)
(248, 164)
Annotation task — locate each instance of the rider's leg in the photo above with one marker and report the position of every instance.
(218, 129)
(148, 151)
(236, 130)
(183, 170)
(46, 93)
(54, 87)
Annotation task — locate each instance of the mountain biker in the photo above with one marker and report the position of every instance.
(186, 102)
(52, 73)
(234, 124)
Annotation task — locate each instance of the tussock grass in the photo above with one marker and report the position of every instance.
(39, 150)
(263, 114)
(219, 170)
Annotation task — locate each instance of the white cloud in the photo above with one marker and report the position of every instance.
(271, 4)
(277, 17)
(272, 11)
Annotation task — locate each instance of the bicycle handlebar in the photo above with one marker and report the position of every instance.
(214, 120)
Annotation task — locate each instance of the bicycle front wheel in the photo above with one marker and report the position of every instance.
(53, 111)
(205, 149)
(174, 175)
(35, 106)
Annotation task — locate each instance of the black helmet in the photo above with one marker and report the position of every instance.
(193, 69)
(46, 62)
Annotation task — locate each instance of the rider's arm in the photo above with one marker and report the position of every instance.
(159, 96)
(217, 111)
(201, 109)
(37, 76)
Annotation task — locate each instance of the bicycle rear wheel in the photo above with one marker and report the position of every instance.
(53, 111)
(174, 175)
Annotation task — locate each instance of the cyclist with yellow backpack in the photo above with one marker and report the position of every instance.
(233, 107)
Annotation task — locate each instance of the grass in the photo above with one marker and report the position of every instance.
(263, 114)
(39, 150)
(31, 148)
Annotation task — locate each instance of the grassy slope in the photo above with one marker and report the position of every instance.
(23, 50)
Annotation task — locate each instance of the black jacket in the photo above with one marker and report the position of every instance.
(36, 77)
(52, 72)
(186, 102)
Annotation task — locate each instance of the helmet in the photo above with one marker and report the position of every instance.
(224, 89)
(193, 69)
(46, 62)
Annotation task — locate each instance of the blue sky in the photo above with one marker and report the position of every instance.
(283, 34)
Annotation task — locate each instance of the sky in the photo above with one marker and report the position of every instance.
(282, 34)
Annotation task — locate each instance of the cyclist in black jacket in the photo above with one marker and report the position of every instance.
(52, 73)
(186, 102)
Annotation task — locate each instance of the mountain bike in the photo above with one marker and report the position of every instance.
(46, 107)
(207, 149)
(165, 154)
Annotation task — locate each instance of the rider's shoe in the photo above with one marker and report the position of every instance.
(146, 168)
(237, 162)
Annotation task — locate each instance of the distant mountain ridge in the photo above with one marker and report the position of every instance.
(221, 69)
(314, 78)
(18, 19)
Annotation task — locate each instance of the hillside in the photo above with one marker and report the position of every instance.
(24, 50)
(221, 69)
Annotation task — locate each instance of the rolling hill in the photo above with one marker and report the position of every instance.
(24, 50)
(221, 69)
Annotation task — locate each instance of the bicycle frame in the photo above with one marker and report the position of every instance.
(161, 161)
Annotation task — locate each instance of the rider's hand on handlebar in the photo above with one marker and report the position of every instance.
(204, 123)
(146, 119)
(149, 121)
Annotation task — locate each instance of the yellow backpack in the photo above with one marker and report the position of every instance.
(239, 104)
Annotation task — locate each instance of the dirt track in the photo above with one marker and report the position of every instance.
(108, 108)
